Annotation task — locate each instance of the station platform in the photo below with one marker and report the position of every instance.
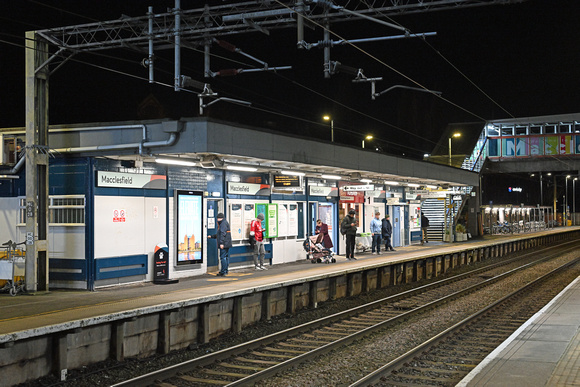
(58, 330)
(545, 351)
(61, 307)
(25, 312)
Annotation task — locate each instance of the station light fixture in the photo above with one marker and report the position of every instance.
(366, 181)
(549, 174)
(292, 173)
(387, 182)
(331, 177)
(432, 186)
(241, 168)
(175, 161)
(414, 185)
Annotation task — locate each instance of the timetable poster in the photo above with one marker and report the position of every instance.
(189, 217)
(292, 220)
(282, 220)
(249, 215)
(236, 221)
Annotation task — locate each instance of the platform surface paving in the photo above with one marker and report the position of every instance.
(545, 351)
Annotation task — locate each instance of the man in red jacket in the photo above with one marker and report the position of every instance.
(257, 231)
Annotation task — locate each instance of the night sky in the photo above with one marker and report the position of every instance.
(523, 56)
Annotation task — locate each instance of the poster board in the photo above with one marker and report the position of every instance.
(189, 224)
(292, 220)
(272, 220)
(249, 215)
(236, 221)
(282, 220)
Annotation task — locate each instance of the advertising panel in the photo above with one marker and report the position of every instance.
(552, 144)
(189, 219)
(272, 220)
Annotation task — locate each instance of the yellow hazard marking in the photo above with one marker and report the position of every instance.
(222, 279)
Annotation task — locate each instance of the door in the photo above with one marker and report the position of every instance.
(214, 207)
(397, 221)
(326, 214)
(312, 216)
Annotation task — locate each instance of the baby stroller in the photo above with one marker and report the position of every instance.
(317, 253)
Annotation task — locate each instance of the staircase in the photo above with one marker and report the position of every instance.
(434, 210)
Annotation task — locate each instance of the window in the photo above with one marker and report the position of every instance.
(564, 127)
(63, 210)
(507, 130)
(535, 129)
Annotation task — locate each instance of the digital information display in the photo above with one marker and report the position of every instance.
(189, 215)
(286, 181)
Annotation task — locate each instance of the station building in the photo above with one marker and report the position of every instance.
(119, 190)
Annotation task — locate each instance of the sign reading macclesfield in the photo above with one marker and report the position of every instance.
(130, 180)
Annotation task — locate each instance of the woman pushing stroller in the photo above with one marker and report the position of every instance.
(322, 228)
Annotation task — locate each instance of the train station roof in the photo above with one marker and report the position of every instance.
(216, 144)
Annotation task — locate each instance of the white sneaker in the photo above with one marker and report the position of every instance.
(258, 268)
(263, 268)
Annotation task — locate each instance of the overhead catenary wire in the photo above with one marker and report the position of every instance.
(384, 63)
(445, 59)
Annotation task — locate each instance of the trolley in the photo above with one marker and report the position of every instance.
(12, 266)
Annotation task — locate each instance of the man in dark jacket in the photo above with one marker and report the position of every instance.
(387, 231)
(348, 228)
(424, 225)
(224, 242)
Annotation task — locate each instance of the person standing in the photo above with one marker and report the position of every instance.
(348, 228)
(387, 231)
(424, 225)
(224, 242)
(257, 231)
(322, 228)
(376, 226)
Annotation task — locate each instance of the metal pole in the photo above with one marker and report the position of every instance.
(206, 47)
(541, 191)
(37, 163)
(449, 151)
(150, 59)
(566, 203)
(177, 35)
(299, 22)
(326, 49)
(331, 130)
(554, 208)
(574, 199)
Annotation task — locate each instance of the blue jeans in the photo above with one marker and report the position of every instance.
(225, 260)
(376, 243)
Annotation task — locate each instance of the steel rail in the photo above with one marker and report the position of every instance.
(376, 375)
(205, 360)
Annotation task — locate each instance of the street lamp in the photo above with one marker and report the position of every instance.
(456, 135)
(566, 201)
(368, 137)
(328, 118)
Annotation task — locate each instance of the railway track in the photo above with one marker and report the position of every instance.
(445, 359)
(262, 358)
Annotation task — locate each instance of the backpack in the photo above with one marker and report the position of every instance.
(343, 226)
